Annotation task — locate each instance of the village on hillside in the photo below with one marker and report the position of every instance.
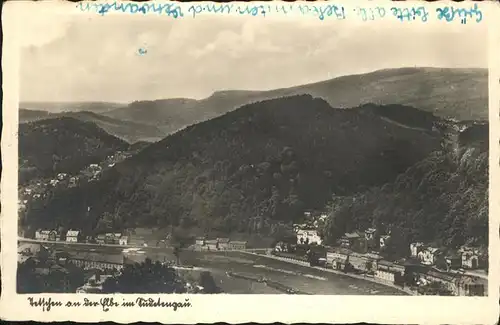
(38, 189)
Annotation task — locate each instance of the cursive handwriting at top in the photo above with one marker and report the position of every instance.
(450, 13)
(321, 11)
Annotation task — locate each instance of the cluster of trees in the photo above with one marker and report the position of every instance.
(145, 277)
(149, 277)
(41, 277)
(443, 200)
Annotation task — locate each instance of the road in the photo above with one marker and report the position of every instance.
(302, 278)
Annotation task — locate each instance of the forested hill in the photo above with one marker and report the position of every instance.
(465, 90)
(442, 200)
(62, 145)
(271, 159)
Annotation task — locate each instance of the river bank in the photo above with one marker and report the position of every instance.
(351, 275)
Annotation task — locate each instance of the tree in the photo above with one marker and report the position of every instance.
(208, 283)
(146, 277)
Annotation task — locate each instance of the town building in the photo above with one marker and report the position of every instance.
(372, 260)
(223, 243)
(237, 245)
(98, 261)
(429, 255)
(34, 250)
(470, 257)
(46, 235)
(453, 260)
(383, 241)
(61, 176)
(73, 236)
(308, 236)
(101, 239)
(389, 272)
(144, 237)
(94, 284)
(337, 257)
(415, 248)
(110, 239)
(124, 240)
(200, 241)
(53, 236)
(358, 261)
(354, 241)
(212, 244)
(73, 181)
(447, 279)
(370, 236)
(472, 286)
(42, 234)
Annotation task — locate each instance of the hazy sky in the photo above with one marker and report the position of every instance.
(97, 59)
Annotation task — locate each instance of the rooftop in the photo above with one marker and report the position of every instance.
(351, 235)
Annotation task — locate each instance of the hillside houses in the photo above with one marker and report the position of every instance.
(354, 241)
(73, 236)
(47, 235)
(469, 257)
(219, 244)
(308, 236)
(429, 255)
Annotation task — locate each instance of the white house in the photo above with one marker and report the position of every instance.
(370, 233)
(415, 248)
(429, 255)
(308, 236)
(470, 258)
(61, 176)
(384, 240)
(41, 234)
(124, 240)
(72, 236)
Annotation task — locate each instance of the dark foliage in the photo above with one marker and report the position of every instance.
(442, 199)
(271, 159)
(145, 277)
(208, 283)
(36, 277)
(62, 145)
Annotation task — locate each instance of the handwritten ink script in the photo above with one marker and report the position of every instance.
(47, 304)
(321, 11)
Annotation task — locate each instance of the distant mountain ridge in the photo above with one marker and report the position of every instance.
(130, 131)
(465, 90)
(459, 94)
(59, 107)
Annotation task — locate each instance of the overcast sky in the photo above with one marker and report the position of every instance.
(97, 59)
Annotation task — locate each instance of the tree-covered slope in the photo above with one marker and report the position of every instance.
(270, 159)
(442, 199)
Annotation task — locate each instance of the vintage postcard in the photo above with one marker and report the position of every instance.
(204, 162)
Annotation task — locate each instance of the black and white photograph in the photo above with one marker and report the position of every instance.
(222, 155)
